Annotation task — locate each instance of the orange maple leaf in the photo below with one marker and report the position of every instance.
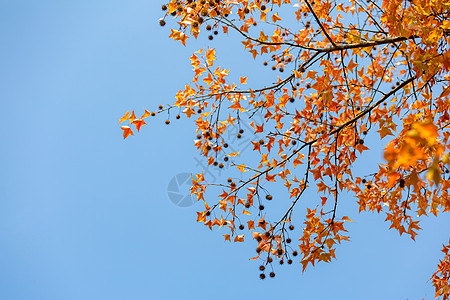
(126, 131)
(138, 123)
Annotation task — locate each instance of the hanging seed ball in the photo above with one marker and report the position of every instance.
(270, 259)
(281, 70)
(258, 250)
(269, 197)
(167, 122)
(308, 86)
(274, 68)
(369, 186)
(272, 274)
(265, 63)
(247, 205)
(241, 130)
(233, 184)
(174, 13)
(289, 261)
(153, 114)
(216, 32)
(164, 7)
(215, 163)
(262, 268)
(208, 147)
(239, 136)
(199, 136)
(363, 181)
(267, 234)
(281, 262)
(291, 227)
(255, 24)
(226, 158)
(365, 132)
(229, 180)
(294, 142)
(241, 227)
(280, 251)
(221, 165)
(246, 10)
(402, 183)
(263, 7)
(177, 116)
(160, 107)
(225, 145)
(208, 27)
(361, 141)
(225, 223)
(261, 142)
(288, 240)
(195, 24)
(210, 37)
(261, 207)
(298, 83)
(262, 276)
(294, 253)
(199, 111)
(291, 99)
(162, 23)
(258, 238)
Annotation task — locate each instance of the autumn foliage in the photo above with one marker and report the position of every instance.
(346, 69)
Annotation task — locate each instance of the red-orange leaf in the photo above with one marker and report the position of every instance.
(126, 131)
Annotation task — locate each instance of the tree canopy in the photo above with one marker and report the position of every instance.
(345, 69)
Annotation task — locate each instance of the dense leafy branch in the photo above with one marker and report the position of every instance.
(344, 81)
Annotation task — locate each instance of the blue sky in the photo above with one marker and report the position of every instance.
(85, 214)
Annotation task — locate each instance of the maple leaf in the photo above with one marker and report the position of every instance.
(239, 238)
(275, 17)
(125, 117)
(138, 123)
(251, 225)
(242, 168)
(126, 131)
(145, 115)
(132, 117)
(317, 172)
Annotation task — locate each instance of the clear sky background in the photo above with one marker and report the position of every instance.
(86, 215)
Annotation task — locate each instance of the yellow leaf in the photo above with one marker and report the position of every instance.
(124, 117)
(233, 154)
(242, 168)
(132, 117)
